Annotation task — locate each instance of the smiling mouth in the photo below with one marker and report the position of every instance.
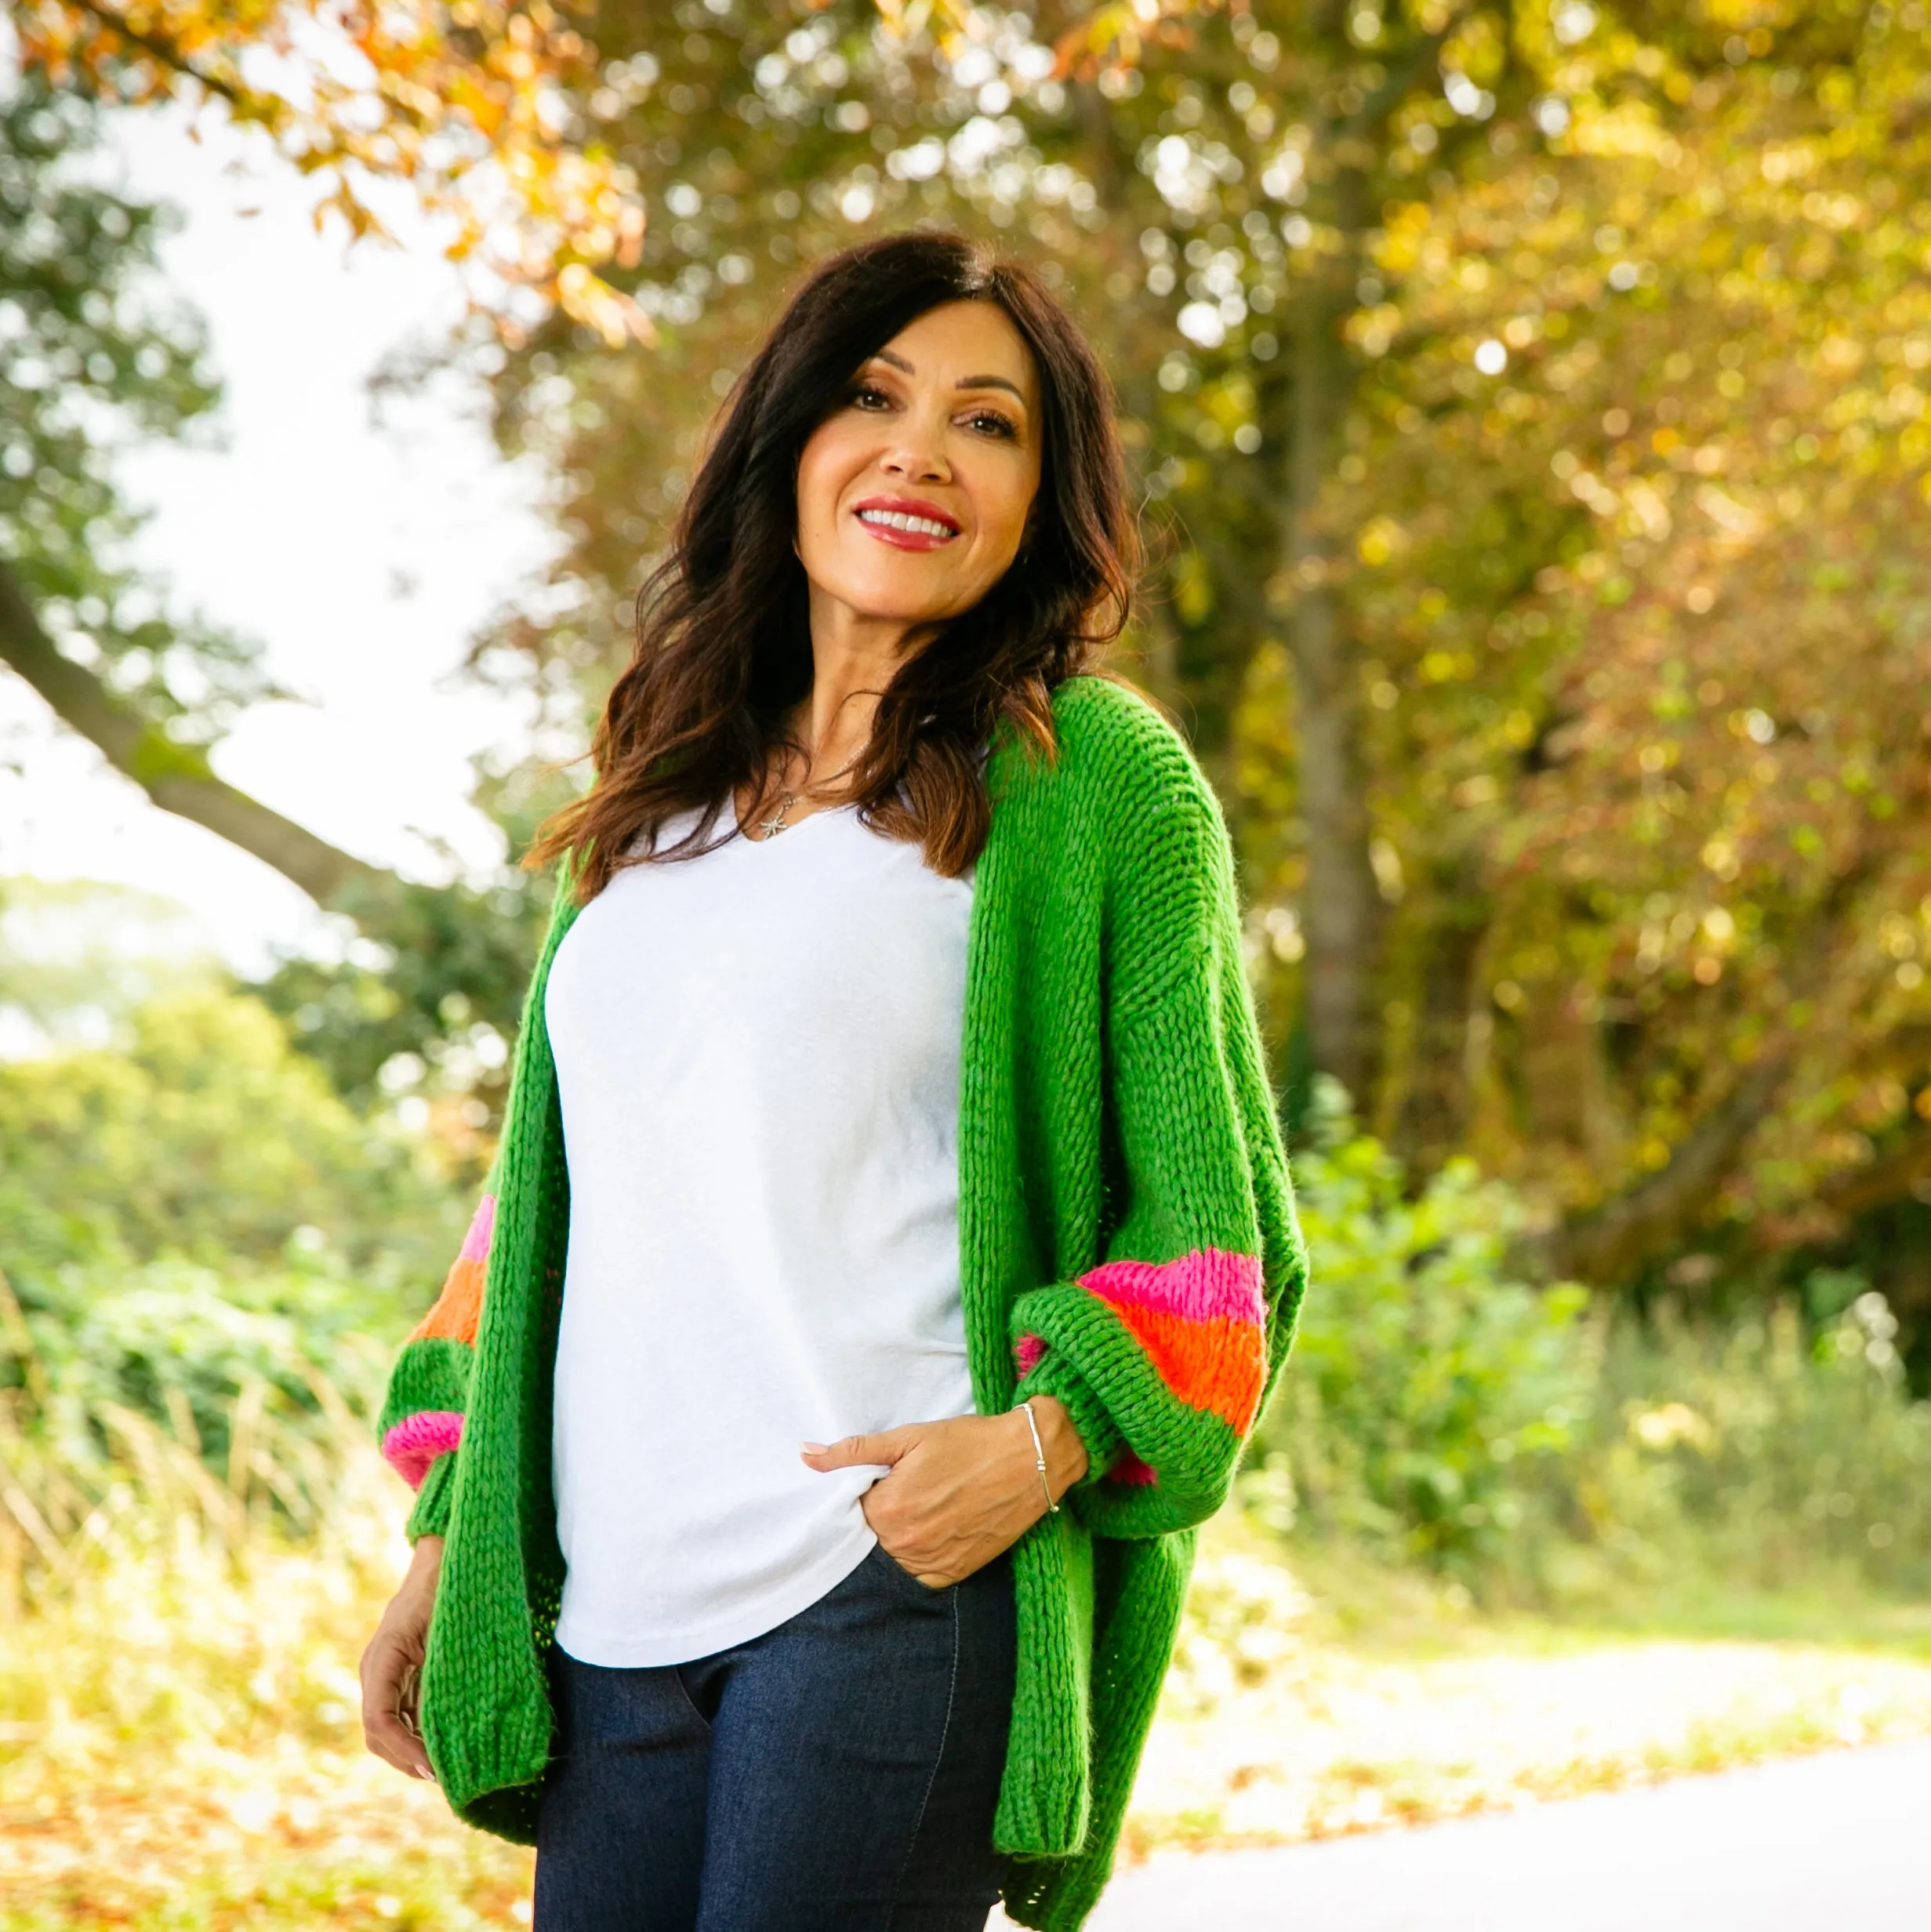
(904, 520)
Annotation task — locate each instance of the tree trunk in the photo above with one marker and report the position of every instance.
(1341, 912)
(1903, 1172)
(176, 777)
(1610, 1244)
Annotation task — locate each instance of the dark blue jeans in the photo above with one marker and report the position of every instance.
(837, 1774)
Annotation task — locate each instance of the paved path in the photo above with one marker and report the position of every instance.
(1837, 1842)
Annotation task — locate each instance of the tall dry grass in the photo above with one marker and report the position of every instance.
(179, 1731)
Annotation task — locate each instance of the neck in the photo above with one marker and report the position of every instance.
(854, 657)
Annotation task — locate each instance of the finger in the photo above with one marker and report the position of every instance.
(385, 1735)
(383, 1664)
(920, 1566)
(887, 1446)
(389, 1655)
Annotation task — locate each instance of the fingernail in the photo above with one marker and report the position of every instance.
(813, 1448)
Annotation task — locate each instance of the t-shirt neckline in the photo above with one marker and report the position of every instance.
(773, 838)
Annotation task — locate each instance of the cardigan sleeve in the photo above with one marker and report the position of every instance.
(1165, 1352)
(421, 1424)
(422, 1420)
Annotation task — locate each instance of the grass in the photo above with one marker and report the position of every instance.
(180, 1746)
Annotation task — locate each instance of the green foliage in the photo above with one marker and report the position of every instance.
(206, 1137)
(249, 1374)
(1438, 1410)
(93, 356)
(1427, 1386)
(204, 1251)
(432, 1009)
(196, 1232)
(1770, 1454)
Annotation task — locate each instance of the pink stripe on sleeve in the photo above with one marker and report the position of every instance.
(416, 1441)
(1026, 1352)
(482, 1224)
(1209, 1284)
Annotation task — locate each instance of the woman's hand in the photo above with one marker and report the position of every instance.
(394, 1657)
(959, 1492)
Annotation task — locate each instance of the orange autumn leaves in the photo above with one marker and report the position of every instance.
(473, 104)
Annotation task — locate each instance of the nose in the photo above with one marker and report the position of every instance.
(918, 456)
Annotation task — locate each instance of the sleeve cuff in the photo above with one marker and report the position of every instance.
(1053, 1375)
(431, 1516)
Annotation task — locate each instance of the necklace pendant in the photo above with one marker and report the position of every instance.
(770, 827)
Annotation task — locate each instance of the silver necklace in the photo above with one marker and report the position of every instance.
(770, 827)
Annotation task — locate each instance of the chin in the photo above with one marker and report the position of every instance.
(886, 595)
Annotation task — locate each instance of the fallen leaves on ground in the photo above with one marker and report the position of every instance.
(1270, 1733)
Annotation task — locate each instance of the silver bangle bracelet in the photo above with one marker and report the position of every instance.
(1039, 1459)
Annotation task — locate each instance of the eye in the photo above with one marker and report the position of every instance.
(992, 422)
(870, 397)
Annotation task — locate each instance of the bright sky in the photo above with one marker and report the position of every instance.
(363, 558)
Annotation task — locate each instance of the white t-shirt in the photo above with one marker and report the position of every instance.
(758, 1053)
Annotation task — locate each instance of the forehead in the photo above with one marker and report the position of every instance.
(961, 340)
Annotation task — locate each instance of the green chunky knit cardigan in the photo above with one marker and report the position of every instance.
(1128, 1243)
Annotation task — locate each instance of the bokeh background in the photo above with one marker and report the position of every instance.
(1529, 402)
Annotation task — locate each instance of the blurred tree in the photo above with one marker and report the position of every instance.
(1646, 748)
(469, 104)
(1383, 288)
(199, 1133)
(93, 356)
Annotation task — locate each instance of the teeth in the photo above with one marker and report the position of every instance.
(898, 520)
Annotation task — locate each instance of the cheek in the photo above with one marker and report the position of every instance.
(1004, 503)
(817, 487)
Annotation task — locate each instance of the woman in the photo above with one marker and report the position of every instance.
(888, 1081)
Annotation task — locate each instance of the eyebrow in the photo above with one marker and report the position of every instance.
(970, 382)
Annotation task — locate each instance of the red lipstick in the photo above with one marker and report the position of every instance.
(907, 534)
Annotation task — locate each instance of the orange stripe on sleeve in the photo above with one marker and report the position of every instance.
(459, 1307)
(1217, 1365)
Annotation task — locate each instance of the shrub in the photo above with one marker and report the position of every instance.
(1767, 1454)
(204, 1253)
(203, 1134)
(1527, 1440)
(159, 1395)
(1427, 1384)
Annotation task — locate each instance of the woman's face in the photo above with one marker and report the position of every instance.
(913, 494)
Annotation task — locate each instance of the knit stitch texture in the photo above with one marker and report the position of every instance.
(1128, 1243)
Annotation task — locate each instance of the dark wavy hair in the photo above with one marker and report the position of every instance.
(724, 643)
